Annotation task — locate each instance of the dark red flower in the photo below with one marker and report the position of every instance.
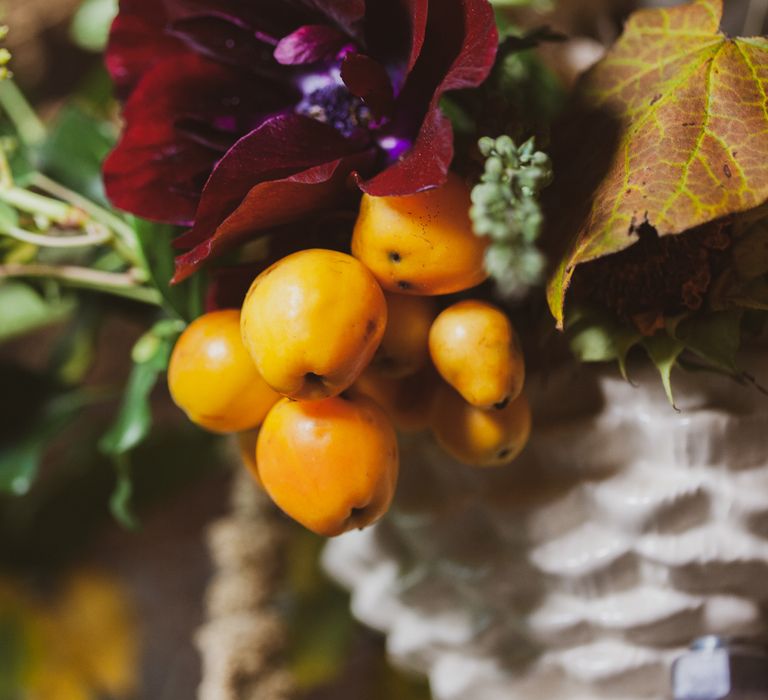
(242, 116)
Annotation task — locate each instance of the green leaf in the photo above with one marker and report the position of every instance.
(16, 153)
(22, 309)
(75, 349)
(526, 81)
(595, 336)
(90, 25)
(319, 620)
(664, 351)
(185, 300)
(134, 420)
(120, 502)
(135, 416)
(715, 337)
(460, 119)
(20, 461)
(75, 149)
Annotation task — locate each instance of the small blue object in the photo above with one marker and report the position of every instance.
(718, 669)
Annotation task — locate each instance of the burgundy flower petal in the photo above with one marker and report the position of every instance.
(283, 146)
(368, 80)
(418, 11)
(213, 139)
(267, 21)
(273, 203)
(227, 286)
(346, 13)
(394, 34)
(308, 44)
(180, 120)
(480, 40)
(423, 167)
(458, 52)
(225, 42)
(137, 42)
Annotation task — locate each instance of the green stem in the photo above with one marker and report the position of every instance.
(117, 283)
(126, 243)
(28, 125)
(43, 241)
(6, 178)
(36, 204)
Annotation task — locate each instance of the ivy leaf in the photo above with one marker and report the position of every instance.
(664, 351)
(671, 134)
(596, 336)
(715, 337)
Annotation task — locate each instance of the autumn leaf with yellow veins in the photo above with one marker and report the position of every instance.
(674, 134)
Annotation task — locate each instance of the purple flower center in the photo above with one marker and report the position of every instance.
(326, 98)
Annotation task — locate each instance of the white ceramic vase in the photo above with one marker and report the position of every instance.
(626, 530)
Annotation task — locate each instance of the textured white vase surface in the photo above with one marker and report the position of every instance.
(581, 571)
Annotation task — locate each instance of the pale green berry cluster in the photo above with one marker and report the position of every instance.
(5, 55)
(505, 207)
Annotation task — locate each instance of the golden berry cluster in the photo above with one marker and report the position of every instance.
(332, 353)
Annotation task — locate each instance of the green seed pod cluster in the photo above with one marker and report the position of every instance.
(505, 208)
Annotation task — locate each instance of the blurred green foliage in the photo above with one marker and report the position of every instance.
(90, 25)
(330, 655)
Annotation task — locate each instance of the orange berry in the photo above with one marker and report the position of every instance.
(246, 442)
(404, 348)
(212, 377)
(478, 437)
(331, 465)
(407, 401)
(476, 350)
(422, 243)
(312, 322)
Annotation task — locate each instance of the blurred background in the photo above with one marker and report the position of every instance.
(143, 578)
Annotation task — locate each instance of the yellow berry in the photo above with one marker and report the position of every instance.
(331, 465)
(404, 348)
(479, 437)
(421, 243)
(312, 322)
(476, 350)
(213, 379)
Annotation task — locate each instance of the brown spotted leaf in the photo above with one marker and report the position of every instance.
(674, 125)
